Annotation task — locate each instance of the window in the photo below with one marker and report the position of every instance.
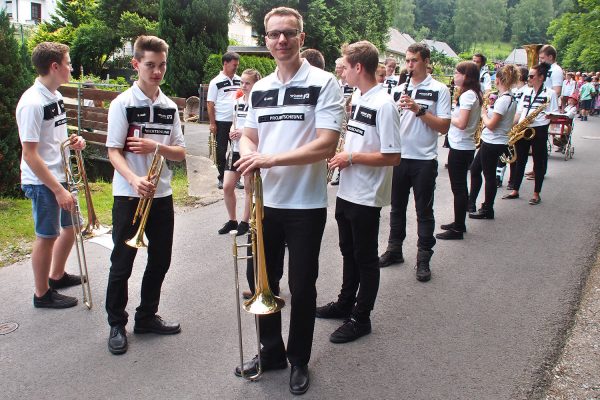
(36, 12)
(9, 9)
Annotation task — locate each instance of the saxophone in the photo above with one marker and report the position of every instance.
(477, 133)
(521, 131)
(342, 139)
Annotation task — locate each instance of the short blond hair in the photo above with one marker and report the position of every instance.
(363, 52)
(285, 12)
(149, 43)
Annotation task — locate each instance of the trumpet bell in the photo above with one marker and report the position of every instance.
(264, 303)
(136, 242)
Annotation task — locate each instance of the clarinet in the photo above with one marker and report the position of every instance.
(405, 92)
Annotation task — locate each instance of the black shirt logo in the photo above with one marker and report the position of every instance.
(356, 130)
(281, 117)
(265, 98)
(222, 84)
(138, 114)
(397, 95)
(164, 115)
(422, 94)
(53, 109)
(301, 96)
(365, 115)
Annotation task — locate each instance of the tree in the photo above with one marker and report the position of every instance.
(193, 29)
(484, 20)
(14, 79)
(530, 21)
(432, 14)
(403, 12)
(575, 36)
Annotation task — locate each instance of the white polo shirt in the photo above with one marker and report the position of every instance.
(132, 113)
(347, 90)
(390, 82)
(554, 77)
(419, 142)
(485, 80)
(286, 116)
(462, 139)
(529, 103)
(568, 87)
(240, 108)
(221, 91)
(506, 106)
(374, 127)
(41, 118)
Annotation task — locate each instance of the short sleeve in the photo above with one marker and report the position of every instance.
(467, 100)
(117, 125)
(251, 121)
(443, 108)
(329, 112)
(177, 133)
(29, 121)
(388, 123)
(557, 77)
(212, 91)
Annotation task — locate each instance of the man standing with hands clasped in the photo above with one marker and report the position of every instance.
(371, 148)
(292, 126)
(425, 111)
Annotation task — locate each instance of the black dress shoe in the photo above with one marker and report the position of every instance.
(299, 379)
(156, 325)
(510, 196)
(450, 234)
(350, 330)
(242, 228)
(251, 367)
(471, 207)
(67, 280)
(451, 225)
(332, 310)
(390, 257)
(482, 213)
(117, 341)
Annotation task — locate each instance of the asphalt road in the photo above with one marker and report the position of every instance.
(489, 325)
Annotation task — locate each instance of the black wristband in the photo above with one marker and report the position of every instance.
(421, 112)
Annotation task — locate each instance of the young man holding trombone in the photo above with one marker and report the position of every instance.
(42, 122)
(143, 130)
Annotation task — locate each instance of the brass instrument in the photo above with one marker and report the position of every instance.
(532, 51)
(263, 302)
(212, 148)
(481, 125)
(342, 139)
(74, 172)
(143, 209)
(521, 131)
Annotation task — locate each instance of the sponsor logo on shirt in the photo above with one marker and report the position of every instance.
(302, 96)
(365, 115)
(60, 122)
(422, 94)
(265, 98)
(281, 117)
(223, 84)
(164, 115)
(138, 114)
(354, 129)
(53, 109)
(156, 131)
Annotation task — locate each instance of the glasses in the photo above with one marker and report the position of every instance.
(274, 35)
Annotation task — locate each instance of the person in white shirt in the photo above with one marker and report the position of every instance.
(142, 121)
(555, 76)
(42, 123)
(391, 79)
(380, 74)
(371, 148)
(292, 126)
(464, 122)
(569, 112)
(533, 97)
(314, 57)
(219, 102)
(568, 89)
(484, 75)
(232, 175)
(425, 111)
(494, 138)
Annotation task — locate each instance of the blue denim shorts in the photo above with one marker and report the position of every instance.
(48, 217)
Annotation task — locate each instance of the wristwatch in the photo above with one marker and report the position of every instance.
(421, 112)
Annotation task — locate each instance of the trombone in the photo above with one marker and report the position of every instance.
(263, 302)
(75, 173)
(143, 208)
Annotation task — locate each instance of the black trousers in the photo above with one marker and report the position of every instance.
(539, 151)
(486, 161)
(459, 162)
(302, 230)
(222, 137)
(159, 230)
(358, 228)
(420, 175)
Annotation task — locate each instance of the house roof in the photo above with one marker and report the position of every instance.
(398, 42)
(442, 47)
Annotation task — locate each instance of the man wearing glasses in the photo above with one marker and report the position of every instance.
(292, 126)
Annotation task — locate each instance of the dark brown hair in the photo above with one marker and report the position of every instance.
(362, 52)
(471, 72)
(149, 43)
(46, 53)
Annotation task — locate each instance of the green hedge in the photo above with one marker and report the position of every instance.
(213, 66)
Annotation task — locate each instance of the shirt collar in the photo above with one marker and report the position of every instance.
(44, 90)
(424, 82)
(301, 74)
(139, 95)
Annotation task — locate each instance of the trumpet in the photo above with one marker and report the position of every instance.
(75, 173)
(263, 302)
(143, 208)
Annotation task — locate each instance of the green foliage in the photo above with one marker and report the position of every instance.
(403, 19)
(15, 77)
(110, 11)
(575, 35)
(132, 25)
(92, 45)
(213, 66)
(193, 29)
(73, 12)
(478, 21)
(530, 21)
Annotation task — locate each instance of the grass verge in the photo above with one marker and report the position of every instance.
(17, 236)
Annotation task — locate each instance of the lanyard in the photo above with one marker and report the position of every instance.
(534, 99)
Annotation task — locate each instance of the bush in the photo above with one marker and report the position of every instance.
(264, 65)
